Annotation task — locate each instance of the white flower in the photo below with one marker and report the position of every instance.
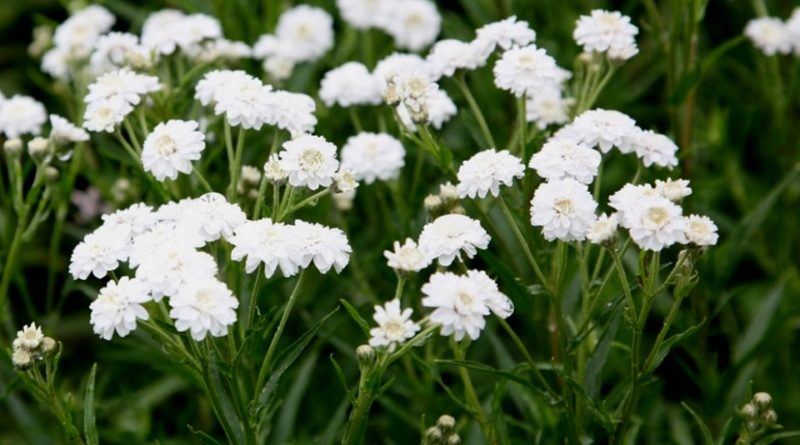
(603, 229)
(171, 148)
(526, 70)
(273, 170)
(117, 307)
(306, 31)
(204, 306)
(447, 56)
(701, 230)
(548, 106)
(365, 14)
(793, 27)
(271, 243)
(169, 237)
(279, 68)
(673, 189)
(99, 252)
(30, 337)
(215, 217)
(394, 326)
(106, 115)
(562, 158)
(326, 247)
(190, 31)
(77, 35)
(159, 30)
(350, 84)
(414, 24)
(63, 131)
(123, 84)
(564, 209)
(344, 181)
(770, 35)
(447, 236)
(407, 257)
(607, 32)
(309, 161)
(626, 199)
(654, 148)
(655, 223)
(604, 129)
(117, 50)
(56, 62)
(486, 171)
(242, 98)
(440, 108)
(295, 112)
(170, 266)
(397, 63)
(21, 115)
(131, 221)
(372, 156)
(505, 34)
(462, 302)
(221, 49)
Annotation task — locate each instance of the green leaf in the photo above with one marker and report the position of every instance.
(759, 325)
(89, 426)
(219, 393)
(708, 439)
(264, 406)
(599, 357)
(350, 397)
(508, 375)
(778, 436)
(205, 438)
(355, 316)
(668, 344)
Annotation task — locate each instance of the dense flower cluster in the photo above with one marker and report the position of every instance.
(30, 346)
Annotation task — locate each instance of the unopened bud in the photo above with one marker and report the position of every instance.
(13, 147)
(432, 202)
(51, 173)
(38, 148)
(762, 400)
(453, 439)
(749, 411)
(448, 192)
(433, 434)
(366, 356)
(48, 345)
(446, 423)
(770, 418)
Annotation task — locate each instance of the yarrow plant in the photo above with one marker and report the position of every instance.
(451, 216)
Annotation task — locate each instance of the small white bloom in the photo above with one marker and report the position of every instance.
(373, 156)
(350, 84)
(56, 62)
(447, 56)
(204, 306)
(397, 63)
(242, 98)
(548, 106)
(626, 199)
(117, 307)
(505, 34)
(655, 149)
(365, 14)
(407, 257)
(106, 115)
(701, 230)
(21, 115)
(171, 148)
(673, 189)
(123, 84)
(344, 181)
(564, 209)
(295, 112)
(309, 161)
(220, 50)
(117, 50)
(655, 223)
(462, 302)
(440, 108)
(77, 35)
(446, 237)
(326, 247)
(30, 337)
(770, 35)
(273, 170)
(526, 70)
(21, 358)
(98, 253)
(306, 31)
(603, 129)
(394, 326)
(486, 171)
(214, 216)
(603, 229)
(170, 266)
(63, 131)
(414, 24)
(793, 27)
(131, 221)
(562, 158)
(159, 31)
(607, 32)
(273, 244)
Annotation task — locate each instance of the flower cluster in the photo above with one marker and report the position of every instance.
(164, 247)
(413, 24)
(113, 96)
(773, 36)
(30, 346)
(607, 32)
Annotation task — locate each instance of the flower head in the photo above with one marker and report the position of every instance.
(350, 84)
(562, 158)
(414, 24)
(607, 32)
(204, 306)
(655, 149)
(525, 70)
(309, 161)
(486, 171)
(564, 209)
(446, 237)
(118, 306)
(407, 257)
(504, 34)
(326, 247)
(21, 115)
(701, 230)
(603, 229)
(394, 326)
(171, 148)
(30, 337)
(372, 156)
(98, 253)
(273, 244)
(769, 34)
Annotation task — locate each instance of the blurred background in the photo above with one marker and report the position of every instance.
(732, 111)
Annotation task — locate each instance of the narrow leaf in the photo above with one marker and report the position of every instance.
(89, 426)
(708, 439)
(356, 316)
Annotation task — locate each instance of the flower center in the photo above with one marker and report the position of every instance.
(465, 298)
(658, 216)
(311, 159)
(563, 206)
(699, 228)
(394, 329)
(204, 298)
(165, 145)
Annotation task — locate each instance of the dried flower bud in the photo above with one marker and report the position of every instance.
(13, 147)
(366, 356)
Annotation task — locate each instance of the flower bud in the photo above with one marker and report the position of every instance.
(51, 174)
(749, 411)
(22, 359)
(762, 400)
(433, 435)
(453, 439)
(366, 356)
(48, 345)
(446, 423)
(273, 170)
(38, 148)
(13, 147)
(432, 202)
(770, 418)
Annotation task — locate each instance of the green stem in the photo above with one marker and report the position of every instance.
(471, 395)
(201, 179)
(524, 351)
(237, 165)
(522, 123)
(273, 344)
(304, 203)
(524, 244)
(476, 110)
